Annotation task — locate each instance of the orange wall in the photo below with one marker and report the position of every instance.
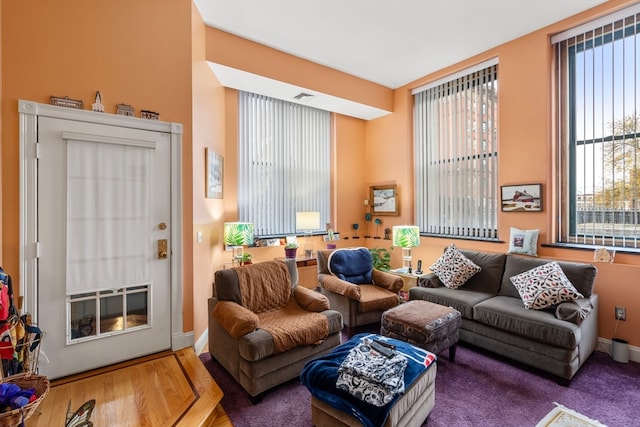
(227, 49)
(134, 52)
(208, 132)
(525, 150)
(118, 47)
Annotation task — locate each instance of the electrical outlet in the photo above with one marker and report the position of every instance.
(621, 313)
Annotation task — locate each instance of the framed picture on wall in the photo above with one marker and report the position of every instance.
(521, 198)
(213, 168)
(384, 200)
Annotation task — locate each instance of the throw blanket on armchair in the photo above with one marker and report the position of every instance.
(266, 290)
(321, 374)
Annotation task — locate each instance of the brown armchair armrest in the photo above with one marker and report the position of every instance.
(235, 319)
(310, 300)
(342, 287)
(387, 280)
(429, 280)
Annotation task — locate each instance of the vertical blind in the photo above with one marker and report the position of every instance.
(456, 154)
(599, 130)
(284, 163)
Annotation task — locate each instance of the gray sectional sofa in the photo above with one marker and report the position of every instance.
(556, 340)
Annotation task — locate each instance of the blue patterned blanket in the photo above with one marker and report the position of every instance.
(321, 374)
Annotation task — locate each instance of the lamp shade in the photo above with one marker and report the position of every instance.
(406, 236)
(238, 233)
(307, 220)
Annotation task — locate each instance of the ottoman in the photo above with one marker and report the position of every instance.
(410, 409)
(424, 324)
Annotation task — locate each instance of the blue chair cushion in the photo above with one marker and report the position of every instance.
(354, 265)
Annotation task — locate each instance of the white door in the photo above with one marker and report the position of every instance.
(104, 274)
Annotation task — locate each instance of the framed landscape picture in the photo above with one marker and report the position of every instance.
(384, 200)
(214, 171)
(521, 198)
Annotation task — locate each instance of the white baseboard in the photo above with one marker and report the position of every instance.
(182, 340)
(604, 345)
(202, 342)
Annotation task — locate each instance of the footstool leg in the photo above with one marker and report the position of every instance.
(452, 353)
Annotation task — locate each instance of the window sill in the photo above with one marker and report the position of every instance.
(582, 247)
(475, 239)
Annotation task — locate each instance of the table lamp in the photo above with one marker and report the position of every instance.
(407, 237)
(307, 222)
(236, 235)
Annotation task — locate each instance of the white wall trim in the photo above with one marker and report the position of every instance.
(604, 345)
(202, 342)
(181, 340)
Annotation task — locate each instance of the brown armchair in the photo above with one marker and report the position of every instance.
(354, 288)
(263, 328)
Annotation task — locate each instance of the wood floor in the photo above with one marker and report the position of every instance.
(166, 389)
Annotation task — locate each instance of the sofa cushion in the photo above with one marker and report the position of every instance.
(508, 314)
(259, 344)
(489, 277)
(453, 268)
(581, 275)
(374, 297)
(352, 264)
(544, 286)
(462, 300)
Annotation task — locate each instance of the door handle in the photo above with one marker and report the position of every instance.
(162, 248)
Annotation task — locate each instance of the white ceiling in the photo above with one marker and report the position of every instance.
(389, 42)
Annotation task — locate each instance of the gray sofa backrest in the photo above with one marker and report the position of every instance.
(581, 275)
(488, 279)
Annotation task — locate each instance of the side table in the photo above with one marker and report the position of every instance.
(409, 279)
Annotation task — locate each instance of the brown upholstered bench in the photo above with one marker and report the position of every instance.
(424, 324)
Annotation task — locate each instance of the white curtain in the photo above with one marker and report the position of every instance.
(108, 215)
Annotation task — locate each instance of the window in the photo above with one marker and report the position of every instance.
(599, 124)
(283, 162)
(456, 154)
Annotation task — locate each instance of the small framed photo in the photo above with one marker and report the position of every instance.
(384, 200)
(521, 198)
(213, 167)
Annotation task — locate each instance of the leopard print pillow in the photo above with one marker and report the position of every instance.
(544, 286)
(453, 268)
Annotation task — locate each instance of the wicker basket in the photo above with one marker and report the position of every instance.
(25, 380)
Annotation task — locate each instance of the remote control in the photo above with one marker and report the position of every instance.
(385, 351)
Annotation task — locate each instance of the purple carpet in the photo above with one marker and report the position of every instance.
(478, 389)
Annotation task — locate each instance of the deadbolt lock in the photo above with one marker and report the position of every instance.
(162, 249)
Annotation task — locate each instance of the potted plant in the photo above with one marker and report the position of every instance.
(381, 258)
(290, 250)
(246, 258)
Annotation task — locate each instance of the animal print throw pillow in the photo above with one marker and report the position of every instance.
(453, 268)
(544, 286)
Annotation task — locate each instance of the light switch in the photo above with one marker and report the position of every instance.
(199, 236)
